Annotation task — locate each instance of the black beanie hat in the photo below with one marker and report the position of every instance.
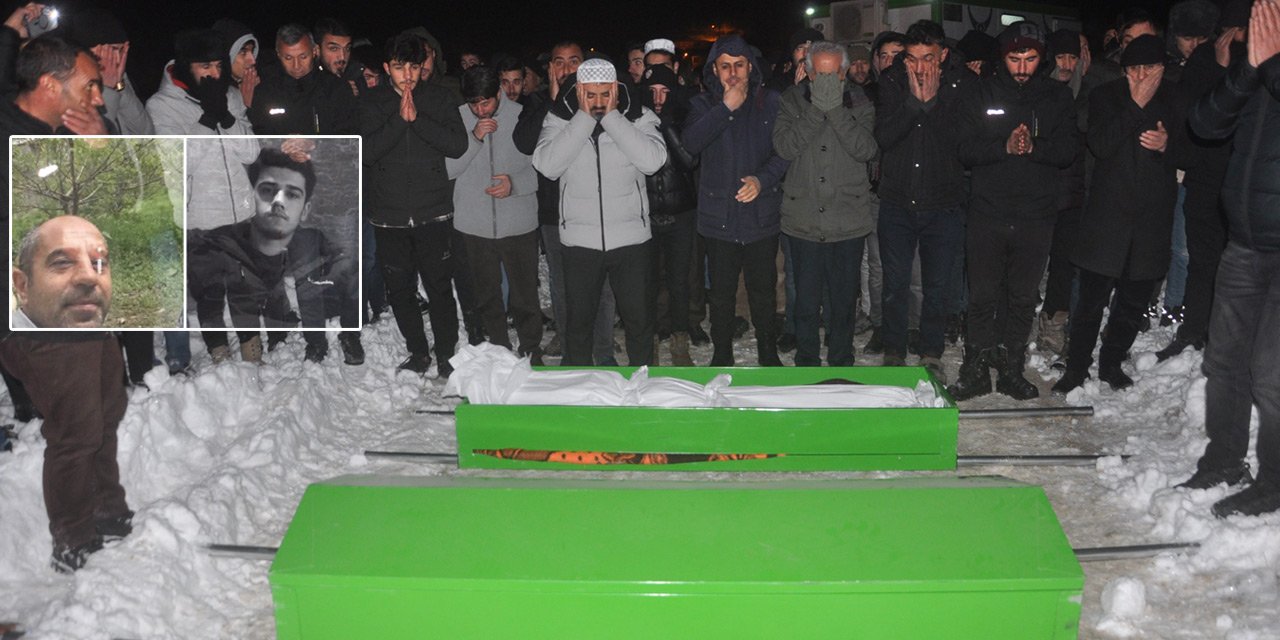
(1019, 36)
(655, 74)
(802, 36)
(1193, 18)
(977, 45)
(199, 45)
(1145, 49)
(1064, 41)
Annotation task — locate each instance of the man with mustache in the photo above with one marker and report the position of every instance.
(1017, 129)
(73, 378)
(600, 142)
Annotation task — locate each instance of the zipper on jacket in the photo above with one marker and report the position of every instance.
(493, 200)
(595, 142)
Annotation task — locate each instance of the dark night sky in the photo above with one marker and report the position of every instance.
(517, 27)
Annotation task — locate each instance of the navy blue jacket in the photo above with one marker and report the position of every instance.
(732, 146)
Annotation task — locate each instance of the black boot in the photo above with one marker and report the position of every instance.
(767, 350)
(1011, 381)
(723, 355)
(975, 375)
(1072, 379)
(1109, 371)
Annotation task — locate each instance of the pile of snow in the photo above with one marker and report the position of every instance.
(224, 456)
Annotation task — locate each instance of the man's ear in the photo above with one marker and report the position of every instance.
(943, 57)
(306, 211)
(20, 286)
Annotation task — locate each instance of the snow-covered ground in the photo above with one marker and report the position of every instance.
(224, 456)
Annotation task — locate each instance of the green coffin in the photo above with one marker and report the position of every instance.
(490, 558)
(792, 439)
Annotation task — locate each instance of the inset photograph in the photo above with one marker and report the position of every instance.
(273, 232)
(96, 233)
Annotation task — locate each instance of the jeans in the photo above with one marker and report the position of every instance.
(673, 258)
(1240, 361)
(602, 342)
(756, 262)
(1175, 284)
(1062, 274)
(830, 267)
(935, 235)
(177, 349)
(375, 291)
(1206, 238)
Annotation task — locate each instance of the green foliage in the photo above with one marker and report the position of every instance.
(127, 199)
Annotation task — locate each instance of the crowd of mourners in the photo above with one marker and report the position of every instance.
(997, 192)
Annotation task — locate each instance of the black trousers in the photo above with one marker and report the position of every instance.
(629, 272)
(757, 262)
(1006, 263)
(672, 261)
(1206, 239)
(1062, 274)
(410, 253)
(518, 255)
(76, 386)
(1127, 307)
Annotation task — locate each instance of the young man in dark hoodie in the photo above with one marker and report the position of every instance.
(409, 127)
(739, 192)
(1017, 130)
(296, 97)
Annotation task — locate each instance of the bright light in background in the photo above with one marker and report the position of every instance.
(45, 172)
(809, 11)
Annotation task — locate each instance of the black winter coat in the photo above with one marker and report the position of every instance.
(1009, 187)
(1128, 222)
(919, 168)
(671, 188)
(319, 102)
(406, 183)
(1246, 104)
(528, 129)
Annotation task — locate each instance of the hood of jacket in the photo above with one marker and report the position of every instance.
(566, 103)
(734, 46)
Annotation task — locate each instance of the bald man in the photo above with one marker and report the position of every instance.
(63, 280)
(63, 276)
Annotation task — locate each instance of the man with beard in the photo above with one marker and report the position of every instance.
(334, 42)
(193, 97)
(511, 78)
(565, 58)
(63, 276)
(739, 193)
(409, 127)
(860, 66)
(1017, 130)
(601, 142)
(296, 97)
(241, 267)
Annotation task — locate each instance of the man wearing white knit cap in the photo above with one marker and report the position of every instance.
(600, 142)
(661, 51)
